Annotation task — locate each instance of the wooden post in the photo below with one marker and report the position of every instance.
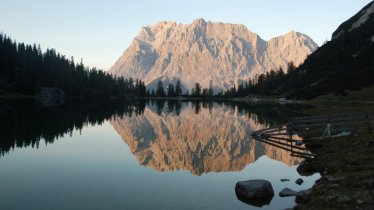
(291, 146)
(368, 119)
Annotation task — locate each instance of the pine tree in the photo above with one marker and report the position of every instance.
(178, 89)
(196, 91)
(171, 91)
(160, 92)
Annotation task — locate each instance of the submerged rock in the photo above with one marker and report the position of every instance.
(256, 192)
(305, 168)
(287, 192)
(299, 181)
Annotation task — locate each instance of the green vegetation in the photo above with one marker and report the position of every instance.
(364, 94)
(269, 84)
(349, 161)
(160, 92)
(173, 91)
(345, 164)
(25, 69)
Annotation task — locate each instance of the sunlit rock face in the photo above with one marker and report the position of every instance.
(214, 140)
(209, 53)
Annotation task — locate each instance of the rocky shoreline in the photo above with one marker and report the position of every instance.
(347, 172)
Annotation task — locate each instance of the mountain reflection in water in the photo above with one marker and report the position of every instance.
(200, 137)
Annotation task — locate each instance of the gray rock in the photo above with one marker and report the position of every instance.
(299, 143)
(287, 192)
(343, 199)
(299, 181)
(302, 195)
(285, 180)
(332, 179)
(256, 192)
(305, 168)
(330, 197)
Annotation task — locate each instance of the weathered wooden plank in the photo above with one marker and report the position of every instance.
(330, 119)
(275, 144)
(303, 153)
(363, 117)
(303, 156)
(280, 138)
(285, 144)
(324, 116)
(273, 128)
(276, 130)
(332, 124)
(368, 118)
(282, 134)
(352, 127)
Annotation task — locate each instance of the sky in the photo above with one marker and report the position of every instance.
(98, 31)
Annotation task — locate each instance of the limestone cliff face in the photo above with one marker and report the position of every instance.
(212, 141)
(202, 51)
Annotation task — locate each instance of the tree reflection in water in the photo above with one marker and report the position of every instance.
(26, 123)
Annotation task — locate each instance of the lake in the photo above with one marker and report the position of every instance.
(140, 155)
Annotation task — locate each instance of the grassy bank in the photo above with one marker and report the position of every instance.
(346, 164)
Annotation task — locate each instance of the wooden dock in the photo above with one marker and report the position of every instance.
(290, 136)
(332, 125)
(283, 138)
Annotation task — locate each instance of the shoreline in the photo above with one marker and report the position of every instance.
(345, 165)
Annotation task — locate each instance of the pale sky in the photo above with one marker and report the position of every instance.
(99, 31)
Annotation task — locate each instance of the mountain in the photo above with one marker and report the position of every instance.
(214, 140)
(202, 51)
(344, 63)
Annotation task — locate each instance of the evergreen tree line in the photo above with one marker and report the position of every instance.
(176, 90)
(25, 69)
(171, 90)
(25, 123)
(271, 83)
(274, 82)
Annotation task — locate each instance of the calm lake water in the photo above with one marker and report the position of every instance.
(140, 155)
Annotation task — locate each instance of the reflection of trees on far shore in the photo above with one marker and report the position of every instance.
(25, 123)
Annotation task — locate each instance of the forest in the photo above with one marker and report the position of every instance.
(25, 69)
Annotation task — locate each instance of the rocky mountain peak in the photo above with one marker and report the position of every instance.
(207, 52)
(199, 22)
